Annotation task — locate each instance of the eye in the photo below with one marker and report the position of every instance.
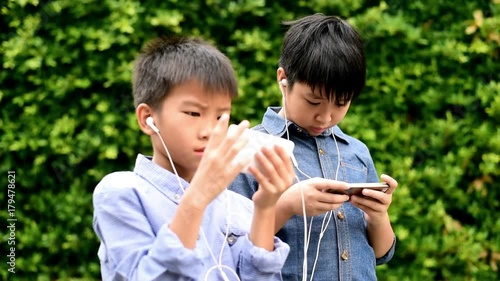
(312, 103)
(226, 112)
(341, 103)
(192, 113)
(218, 117)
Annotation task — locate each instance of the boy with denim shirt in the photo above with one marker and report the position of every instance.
(171, 218)
(321, 69)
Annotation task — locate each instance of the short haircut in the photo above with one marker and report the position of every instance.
(167, 62)
(324, 52)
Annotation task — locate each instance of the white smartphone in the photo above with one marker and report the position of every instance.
(257, 140)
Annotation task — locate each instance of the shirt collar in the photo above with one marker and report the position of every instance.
(274, 124)
(164, 180)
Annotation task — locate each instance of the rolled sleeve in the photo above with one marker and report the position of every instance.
(260, 264)
(388, 256)
(180, 260)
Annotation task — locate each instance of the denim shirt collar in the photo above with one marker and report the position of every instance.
(274, 124)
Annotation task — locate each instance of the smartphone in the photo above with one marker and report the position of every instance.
(357, 188)
(257, 140)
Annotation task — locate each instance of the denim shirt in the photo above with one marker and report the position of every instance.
(132, 212)
(344, 252)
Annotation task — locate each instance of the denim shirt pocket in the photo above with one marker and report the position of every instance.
(353, 171)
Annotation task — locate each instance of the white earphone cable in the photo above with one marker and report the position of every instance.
(306, 237)
(218, 264)
(323, 227)
(307, 234)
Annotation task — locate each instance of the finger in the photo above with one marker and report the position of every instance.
(393, 184)
(367, 204)
(283, 165)
(330, 198)
(274, 165)
(380, 196)
(239, 129)
(286, 161)
(272, 168)
(219, 132)
(233, 142)
(364, 208)
(236, 164)
(266, 166)
(323, 207)
(330, 185)
(259, 176)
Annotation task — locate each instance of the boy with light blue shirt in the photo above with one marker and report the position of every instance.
(172, 217)
(321, 70)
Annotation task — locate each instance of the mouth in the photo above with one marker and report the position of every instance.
(318, 130)
(199, 150)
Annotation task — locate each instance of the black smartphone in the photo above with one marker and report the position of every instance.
(357, 188)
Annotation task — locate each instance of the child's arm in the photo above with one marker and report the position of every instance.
(379, 229)
(290, 202)
(211, 178)
(276, 176)
(130, 249)
(318, 199)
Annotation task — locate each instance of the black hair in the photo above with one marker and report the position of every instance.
(167, 62)
(324, 52)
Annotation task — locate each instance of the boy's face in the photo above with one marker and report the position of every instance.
(310, 110)
(186, 121)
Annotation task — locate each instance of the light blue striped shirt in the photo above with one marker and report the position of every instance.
(132, 211)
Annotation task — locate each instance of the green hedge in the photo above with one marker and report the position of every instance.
(430, 114)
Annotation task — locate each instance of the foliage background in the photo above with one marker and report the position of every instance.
(430, 114)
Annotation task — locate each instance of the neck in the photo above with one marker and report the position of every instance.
(164, 162)
(281, 112)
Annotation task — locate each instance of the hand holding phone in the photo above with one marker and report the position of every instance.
(357, 188)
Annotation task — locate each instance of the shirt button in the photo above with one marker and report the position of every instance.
(177, 197)
(340, 215)
(321, 151)
(231, 239)
(344, 255)
(299, 130)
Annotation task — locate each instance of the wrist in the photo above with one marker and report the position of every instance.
(194, 201)
(269, 210)
(375, 222)
(285, 209)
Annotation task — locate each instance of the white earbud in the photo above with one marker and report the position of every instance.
(283, 84)
(151, 124)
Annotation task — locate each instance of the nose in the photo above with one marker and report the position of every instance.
(204, 133)
(323, 115)
(206, 128)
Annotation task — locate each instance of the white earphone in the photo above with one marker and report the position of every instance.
(326, 220)
(219, 266)
(283, 83)
(151, 124)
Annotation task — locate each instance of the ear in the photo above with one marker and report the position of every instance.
(142, 112)
(280, 74)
